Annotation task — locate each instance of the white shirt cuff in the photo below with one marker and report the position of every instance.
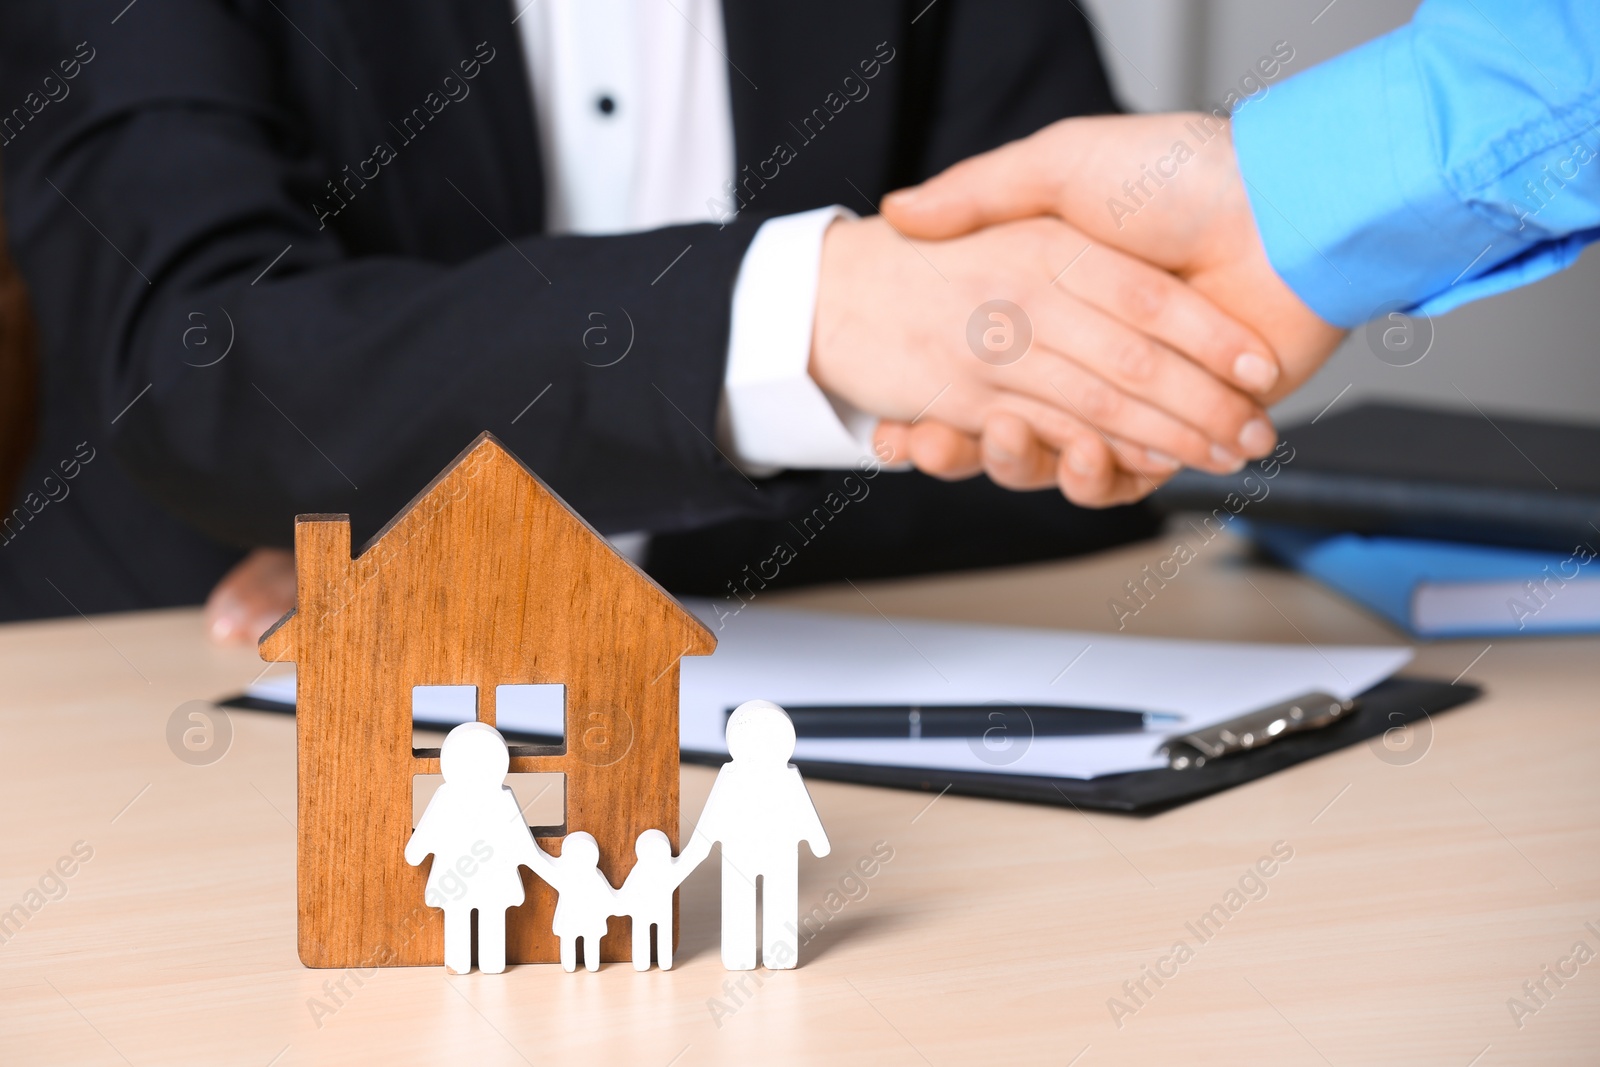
(773, 414)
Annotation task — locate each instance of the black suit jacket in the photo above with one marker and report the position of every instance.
(287, 257)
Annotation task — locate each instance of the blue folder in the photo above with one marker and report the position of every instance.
(1446, 588)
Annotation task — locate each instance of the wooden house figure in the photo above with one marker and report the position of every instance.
(486, 578)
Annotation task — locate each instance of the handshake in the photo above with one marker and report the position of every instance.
(1090, 307)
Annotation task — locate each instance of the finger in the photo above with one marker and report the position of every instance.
(1144, 375)
(1013, 455)
(1101, 471)
(1057, 431)
(225, 618)
(1091, 478)
(1089, 469)
(943, 451)
(256, 593)
(1146, 368)
(1100, 405)
(1006, 183)
(891, 440)
(1153, 462)
(1165, 308)
(1088, 475)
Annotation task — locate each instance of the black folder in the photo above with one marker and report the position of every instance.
(1390, 704)
(1412, 471)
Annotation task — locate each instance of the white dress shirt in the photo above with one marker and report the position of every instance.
(636, 130)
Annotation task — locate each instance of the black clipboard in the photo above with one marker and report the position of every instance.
(1390, 704)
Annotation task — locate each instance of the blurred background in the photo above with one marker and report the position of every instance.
(1477, 507)
(1530, 352)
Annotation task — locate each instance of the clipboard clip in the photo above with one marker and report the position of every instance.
(1309, 711)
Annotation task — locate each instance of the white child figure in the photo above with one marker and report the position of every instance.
(759, 809)
(646, 894)
(584, 899)
(478, 838)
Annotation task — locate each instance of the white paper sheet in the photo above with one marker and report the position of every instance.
(798, 657)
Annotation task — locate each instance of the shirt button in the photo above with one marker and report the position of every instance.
(606, 104)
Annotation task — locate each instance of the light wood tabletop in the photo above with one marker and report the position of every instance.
(1417, 893)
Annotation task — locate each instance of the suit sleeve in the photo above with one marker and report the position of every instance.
(161, 203)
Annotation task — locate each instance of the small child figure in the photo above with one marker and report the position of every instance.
(646, 894)
(584, 899)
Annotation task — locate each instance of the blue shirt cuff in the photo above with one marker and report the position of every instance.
(1351, 202)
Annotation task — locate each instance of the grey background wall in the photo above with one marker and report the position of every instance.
(1532, 351)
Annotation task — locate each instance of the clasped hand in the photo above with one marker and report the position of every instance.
(1000, 318)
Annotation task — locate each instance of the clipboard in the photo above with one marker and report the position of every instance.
(1392, 703)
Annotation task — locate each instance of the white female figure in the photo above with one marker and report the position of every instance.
(759, 809)
(478, 838)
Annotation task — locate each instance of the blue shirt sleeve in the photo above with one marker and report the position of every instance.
(1457, 157)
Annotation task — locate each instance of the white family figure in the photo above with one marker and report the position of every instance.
(476, 834)
(760, 811)
(584, 899)
(646, 894)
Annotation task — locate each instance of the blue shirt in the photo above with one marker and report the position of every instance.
(1456, 157)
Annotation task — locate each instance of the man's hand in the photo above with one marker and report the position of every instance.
(1164, 188)
(256, 593)
(1115, 407)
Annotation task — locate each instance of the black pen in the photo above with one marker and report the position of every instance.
(966, 720)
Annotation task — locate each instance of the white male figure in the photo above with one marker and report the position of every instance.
(760, 811)
(478, 838)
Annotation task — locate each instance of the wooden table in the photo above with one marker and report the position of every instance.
(1423, 891)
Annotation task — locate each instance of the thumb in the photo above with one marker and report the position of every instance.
(892, 440)
(1010, 182)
